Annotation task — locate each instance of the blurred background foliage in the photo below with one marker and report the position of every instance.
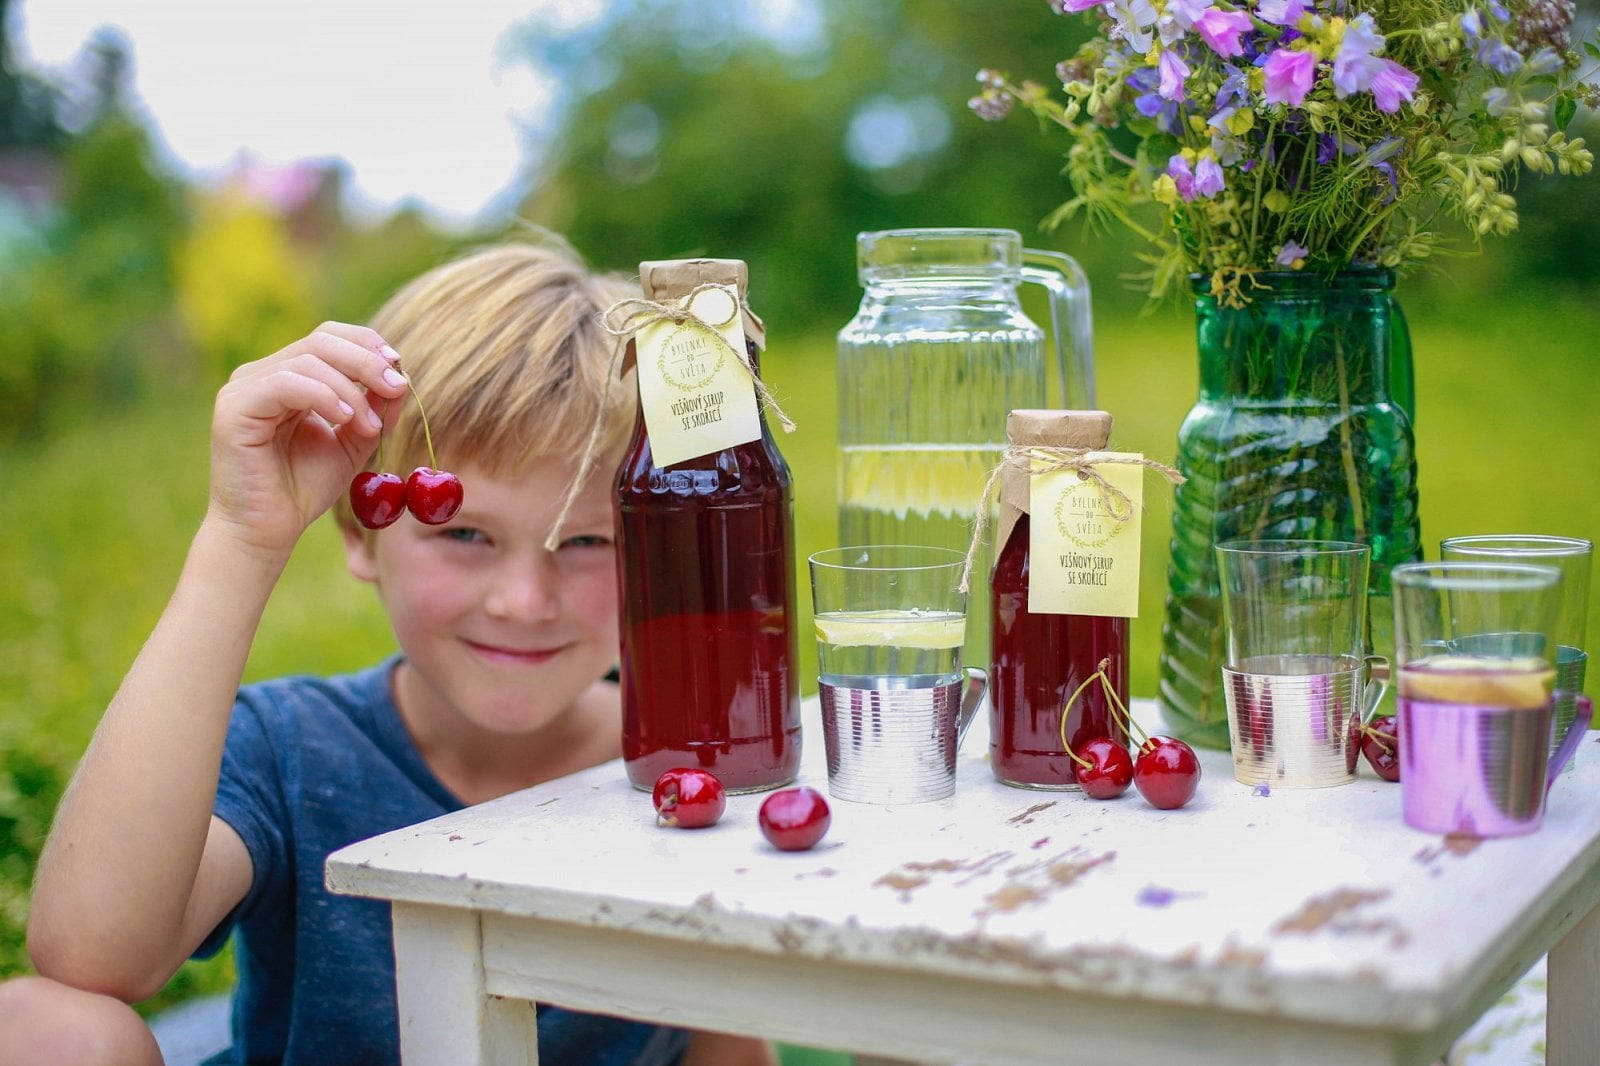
(128, 292)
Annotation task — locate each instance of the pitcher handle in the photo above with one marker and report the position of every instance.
(1569, 743)
(971, 700)
(1377, 675)
(1071, 321)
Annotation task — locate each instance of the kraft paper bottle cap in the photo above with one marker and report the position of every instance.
(669, 279)
(1038, 428)
(1042, 428)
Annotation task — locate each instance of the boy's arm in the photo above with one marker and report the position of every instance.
(136, 870)
(725, 1049)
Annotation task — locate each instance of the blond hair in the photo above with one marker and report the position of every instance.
(505, 349)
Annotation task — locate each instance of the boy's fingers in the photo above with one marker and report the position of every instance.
(341, 347)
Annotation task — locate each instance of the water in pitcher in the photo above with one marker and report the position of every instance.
(937, 355)
(920, 494)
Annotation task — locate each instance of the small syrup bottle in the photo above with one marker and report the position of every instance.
(1039, 660)
(705, 551)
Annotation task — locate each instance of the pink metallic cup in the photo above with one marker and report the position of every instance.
(1479, 771)
(1478, 689)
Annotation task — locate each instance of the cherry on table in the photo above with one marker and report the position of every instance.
(795, 818)
(1166, 772)
(689, 798)
(377, 499)
(1380, 743)
(434, 496)
(1110, 769)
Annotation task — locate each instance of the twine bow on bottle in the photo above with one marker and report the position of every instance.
(640, 312)
(1034, 459)
(636, 313)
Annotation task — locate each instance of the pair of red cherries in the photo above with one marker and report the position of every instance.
(379, 498)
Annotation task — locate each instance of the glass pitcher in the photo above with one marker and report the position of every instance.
(937, 356)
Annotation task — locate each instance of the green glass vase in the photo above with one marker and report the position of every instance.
(1302, 429)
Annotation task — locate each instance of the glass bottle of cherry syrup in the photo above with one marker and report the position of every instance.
(705, 549)
(1039, 660)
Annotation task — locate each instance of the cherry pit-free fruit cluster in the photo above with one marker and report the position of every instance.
(1166, 771)
(378, 498)
(792, 819)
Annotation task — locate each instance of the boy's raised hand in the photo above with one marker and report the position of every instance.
(289, 431)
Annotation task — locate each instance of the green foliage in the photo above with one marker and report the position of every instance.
(694, 133)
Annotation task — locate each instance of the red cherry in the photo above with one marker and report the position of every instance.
(377, 499)
(795, 819)
(1380, 743)
(689, 798)
(434, 496)
(1166, 772)
(1110, 771)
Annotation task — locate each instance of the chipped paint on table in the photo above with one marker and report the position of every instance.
(1296, 913)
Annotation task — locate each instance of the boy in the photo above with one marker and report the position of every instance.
(185, 822)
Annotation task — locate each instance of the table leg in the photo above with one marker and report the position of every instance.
(447, 1018)
(1572, 1025)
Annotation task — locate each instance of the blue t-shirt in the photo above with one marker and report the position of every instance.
(310, 765)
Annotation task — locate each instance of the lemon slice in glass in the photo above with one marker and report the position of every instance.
(1521, 683)
(891, 629)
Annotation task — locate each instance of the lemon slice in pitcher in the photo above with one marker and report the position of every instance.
(891, 629)
(1521, 683)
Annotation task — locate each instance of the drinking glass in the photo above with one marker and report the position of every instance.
(890, 622)
(1296, 679)
(1475, 649)
(1572, 556)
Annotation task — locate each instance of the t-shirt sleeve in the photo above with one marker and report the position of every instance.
(250, 798)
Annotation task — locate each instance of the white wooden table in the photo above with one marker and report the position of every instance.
(998, 927)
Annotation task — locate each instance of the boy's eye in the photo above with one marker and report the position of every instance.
(592, 540)
(464, 534)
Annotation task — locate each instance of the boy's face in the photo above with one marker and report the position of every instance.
(499, 634)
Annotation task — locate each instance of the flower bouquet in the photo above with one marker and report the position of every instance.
(1308, 134)
(1286, 158)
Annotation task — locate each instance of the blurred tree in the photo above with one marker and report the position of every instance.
(28, 104)
(773, 132)
(84, 324)
(242, 290)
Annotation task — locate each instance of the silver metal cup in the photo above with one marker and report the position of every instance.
(897, 744)
(1295, 720)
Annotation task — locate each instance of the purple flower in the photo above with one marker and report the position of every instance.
(1355, 65)
(1282, 12)
(1498, 56)
(1222, 29)
(1208, 180)
(1391, 83)
(1173, 71)
(1291, 253)
(1289, 76)
(1075, 7)
(1182, 176)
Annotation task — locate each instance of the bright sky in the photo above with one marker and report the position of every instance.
(417, 98)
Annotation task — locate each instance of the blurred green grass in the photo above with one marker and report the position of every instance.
(98, 519)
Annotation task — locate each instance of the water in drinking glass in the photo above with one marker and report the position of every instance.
(891, 687)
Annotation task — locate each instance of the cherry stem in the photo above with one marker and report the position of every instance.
(382, 418)
(1380, 736)
(427, 434)
(1119, 710)
(1079, 759)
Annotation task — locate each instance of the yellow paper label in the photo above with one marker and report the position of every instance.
(696, 394)
(1081, 559)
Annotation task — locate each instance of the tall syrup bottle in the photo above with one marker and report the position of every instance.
(705, 530)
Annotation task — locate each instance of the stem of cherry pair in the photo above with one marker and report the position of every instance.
(433, 496)
(1166, 773)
